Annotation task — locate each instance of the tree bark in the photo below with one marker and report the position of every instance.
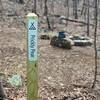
(67, 7)
(1, 8)
(34, 6)
(52, 7)
(75, 9)
(95, 47)
(46, 14)
(83, 7)
(88, 19)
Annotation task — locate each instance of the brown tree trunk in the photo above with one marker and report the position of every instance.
(95, 47)
(88, 19)
(1, 11)
(46, 14)
(75, 3)
(41, 4)
(67, 7)
(52, 7)
(34, 6)
(83, 7)
(1, 8)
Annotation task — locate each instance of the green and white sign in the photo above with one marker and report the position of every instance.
(32, 39)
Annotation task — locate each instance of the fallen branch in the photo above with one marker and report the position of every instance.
(79, 85)
(72, 20)
(77, 21)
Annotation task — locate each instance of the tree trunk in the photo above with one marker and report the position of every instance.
(46, 14)
(41, 4)
(75, 9)
(88, 19)
(34, 6)
(52, 7)
(95, 47)
(83, 7)
(1, 11)
(1, 8)
(67, 6)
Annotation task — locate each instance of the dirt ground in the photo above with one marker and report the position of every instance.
(63, 74)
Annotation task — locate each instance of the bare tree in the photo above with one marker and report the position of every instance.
(1, 9)
(75, 3)
(67, 6)
(95, 47)
(41, 5)
(53, 11)
(88, 18)
(34, 6)
(46, 14)
(83, 8)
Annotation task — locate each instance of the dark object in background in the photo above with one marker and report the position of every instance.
(45, 37)
(65, 98)
(61, 34)
(60, 42)
(2, 93)
(81, 41)
(20, 1)
(62, 20)
(98, 48)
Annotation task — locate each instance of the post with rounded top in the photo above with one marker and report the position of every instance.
(32, 68)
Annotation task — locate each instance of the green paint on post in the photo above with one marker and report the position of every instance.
(32, 68)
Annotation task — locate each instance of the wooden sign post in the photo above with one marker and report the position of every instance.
(32, 68)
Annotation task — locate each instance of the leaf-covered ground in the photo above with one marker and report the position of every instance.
(63, 74)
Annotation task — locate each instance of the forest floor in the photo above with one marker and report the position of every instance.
(63, 74)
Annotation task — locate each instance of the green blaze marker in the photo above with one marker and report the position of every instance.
(32, 68)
